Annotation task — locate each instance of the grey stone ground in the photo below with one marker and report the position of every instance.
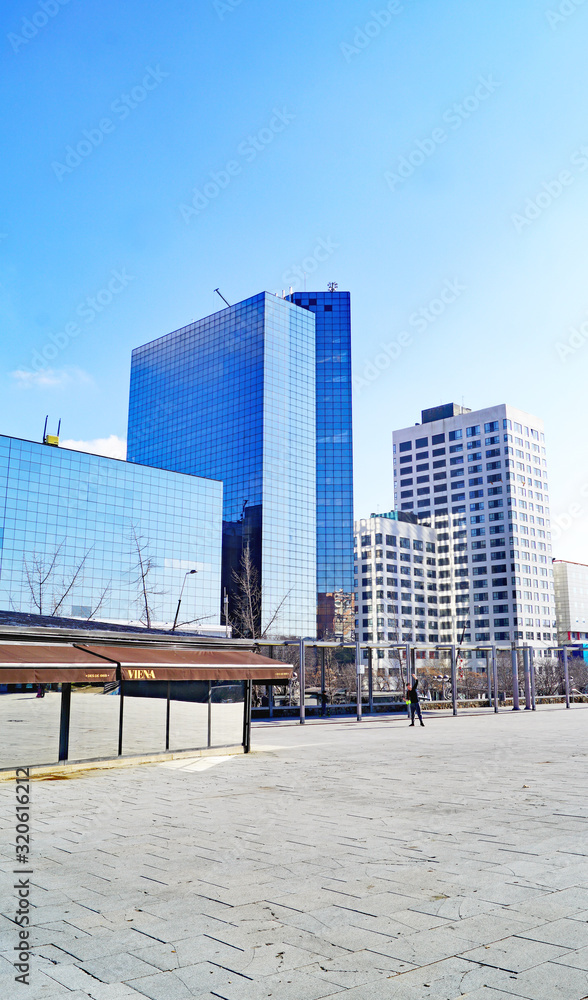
(366, 861)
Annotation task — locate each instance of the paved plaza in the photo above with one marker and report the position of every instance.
(337, 859)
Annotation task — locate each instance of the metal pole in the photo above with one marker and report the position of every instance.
(408, 678)
(495, 678)
(370, 683)
(323, 684)
(121, 715)
(532, 671)
(454, 680)
(167, 717)
(527, 679)
(359, 677)
(64, 721)
(566, 675)
(302, 679)
(515, 679)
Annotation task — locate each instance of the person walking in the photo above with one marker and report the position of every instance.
(415, 708)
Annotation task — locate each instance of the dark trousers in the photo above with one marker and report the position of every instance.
(415, 708)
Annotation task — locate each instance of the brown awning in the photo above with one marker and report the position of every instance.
(39, 663)
(141, 663)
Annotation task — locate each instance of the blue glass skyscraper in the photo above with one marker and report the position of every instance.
(334, 460)
(232, 397)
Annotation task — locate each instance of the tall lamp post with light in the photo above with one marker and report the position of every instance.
(189, 573)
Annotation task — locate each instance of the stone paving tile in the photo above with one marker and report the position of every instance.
(577, 959)
(515, 954)
(357, 968)
(163, 986)
(551, 982)
(498, 924)
(286, 986)
(117, 968)
(564, 932)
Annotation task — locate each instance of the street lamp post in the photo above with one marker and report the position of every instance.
(189, 573)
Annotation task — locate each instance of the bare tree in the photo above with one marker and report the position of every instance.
(247, 602)
(49, 587)
(143, 568)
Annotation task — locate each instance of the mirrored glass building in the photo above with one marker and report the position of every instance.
(232, 396)
(90, 537)
(334, 461)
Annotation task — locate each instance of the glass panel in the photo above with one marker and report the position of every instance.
(188, 727)
(93, 726)
(144, 717)
(29, 726)
(227, 714)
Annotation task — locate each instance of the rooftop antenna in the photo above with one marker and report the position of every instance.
(222, 297)
(332, 286)
(51, 439)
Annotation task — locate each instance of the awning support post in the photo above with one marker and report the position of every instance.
(167, 716)
(64, 721)
(121, 715)
(247, 716)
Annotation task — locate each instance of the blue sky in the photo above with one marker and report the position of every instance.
(300, 122)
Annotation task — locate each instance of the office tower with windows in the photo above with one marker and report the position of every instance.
(334, 460)
(396, 580)
(480, 478)
(232, 396)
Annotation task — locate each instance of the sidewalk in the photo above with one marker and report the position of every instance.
(363, 861)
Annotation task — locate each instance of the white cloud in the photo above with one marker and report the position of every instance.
(50, 378)
(110, 447)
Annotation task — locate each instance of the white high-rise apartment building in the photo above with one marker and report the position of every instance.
(395, 579)
(480, 478)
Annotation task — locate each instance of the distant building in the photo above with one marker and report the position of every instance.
(571, 600)
(480, 478)
(396, 580)
(96, 538)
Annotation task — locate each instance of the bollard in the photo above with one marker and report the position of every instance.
(495, 678)
(515, 680)
(566, 676)
(453, 680)
(302, 648)
(358, 677)
(527, 679)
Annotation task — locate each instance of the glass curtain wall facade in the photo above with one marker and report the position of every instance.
(75, 529)
(232, 396)
(334, 461)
